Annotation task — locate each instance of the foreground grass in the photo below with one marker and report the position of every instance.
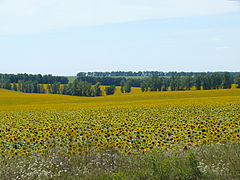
(206, 162)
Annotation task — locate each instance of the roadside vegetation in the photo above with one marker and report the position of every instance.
(216, 161)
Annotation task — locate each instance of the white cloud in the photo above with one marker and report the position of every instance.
(27, 16)
(222, 48)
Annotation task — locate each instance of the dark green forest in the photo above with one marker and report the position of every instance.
(38, 78)
(143, 74)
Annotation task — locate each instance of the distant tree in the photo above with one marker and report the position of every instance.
(110, 90)
(175, 83)
(96, 90)
(35, 87)
(155, 83)
(152, 83)
(41, 88)
(80, 88)
(20, 85)
(185, 83)
(166, 84)
(237, 80)
(29, 87)
(7, 84)
(75, 88)
(68, 89)
(189, 83)
(226, 82)
(144, 86)
(126, 86)
(122, 84)
(64, 89)
(49, 88)
(55, 88)
(206, 81)
(216, 80)
(198, 82)
(86, 88)
(15, 87)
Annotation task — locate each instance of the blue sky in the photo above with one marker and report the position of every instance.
(65, 37)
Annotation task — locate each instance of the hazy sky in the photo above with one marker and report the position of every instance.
(63, 37)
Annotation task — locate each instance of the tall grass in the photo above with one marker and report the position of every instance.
(216, 161)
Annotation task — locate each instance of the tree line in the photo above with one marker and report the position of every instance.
(38, 78)
(91, 86)
(143, 73)
(203, 81)
(77, 88)
(82, 88)
(109, 81)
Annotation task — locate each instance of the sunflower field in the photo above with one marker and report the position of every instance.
(132, 123)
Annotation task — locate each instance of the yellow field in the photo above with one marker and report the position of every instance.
(131, 123)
